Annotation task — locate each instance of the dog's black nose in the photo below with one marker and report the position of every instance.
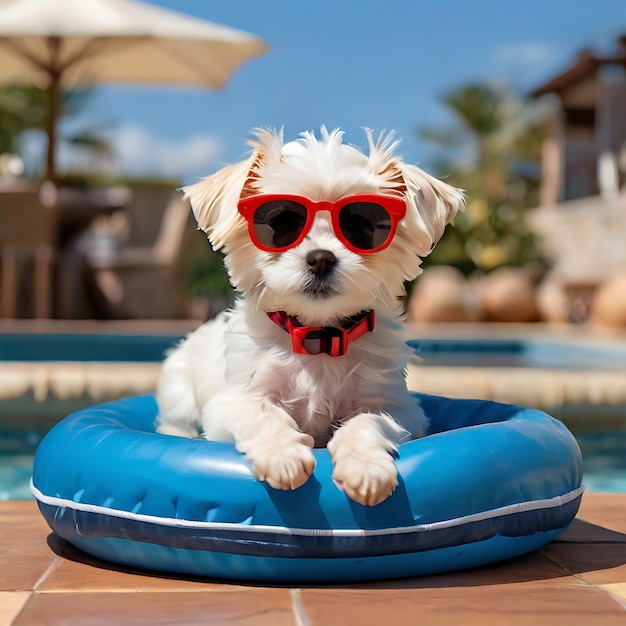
(321, 261)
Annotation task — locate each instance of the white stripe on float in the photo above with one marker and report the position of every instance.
(512, 509)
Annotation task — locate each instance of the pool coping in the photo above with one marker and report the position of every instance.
(567, 394)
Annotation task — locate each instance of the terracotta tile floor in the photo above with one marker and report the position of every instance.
(578, 579)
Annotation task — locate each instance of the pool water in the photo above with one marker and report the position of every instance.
(17, 449)
(604, 453)
(527, 353)
(473, 352)
(85, 347)
(604, 460)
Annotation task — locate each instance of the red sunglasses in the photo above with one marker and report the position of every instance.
(365, 223)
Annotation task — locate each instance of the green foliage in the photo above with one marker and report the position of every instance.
(27, 108)
(493, 154)
(205, 272)
(21, 108)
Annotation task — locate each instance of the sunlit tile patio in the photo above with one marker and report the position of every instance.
(579, 579)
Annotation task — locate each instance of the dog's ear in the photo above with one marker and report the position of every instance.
(214, 201)
(431, 206)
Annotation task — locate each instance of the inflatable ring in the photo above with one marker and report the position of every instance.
(491, 481)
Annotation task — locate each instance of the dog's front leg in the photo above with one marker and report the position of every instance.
(362, 452)
(280, 453)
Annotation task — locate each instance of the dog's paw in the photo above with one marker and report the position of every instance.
(286, 466)
(366, 478)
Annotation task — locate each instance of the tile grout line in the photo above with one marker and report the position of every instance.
(300, 616)
(607, 591)
(53, 565)
(585, 583)
(568, 572)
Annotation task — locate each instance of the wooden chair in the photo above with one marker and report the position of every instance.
(144, 281)
(27, 249)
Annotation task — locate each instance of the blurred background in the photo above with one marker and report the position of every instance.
(521, 105)
(108, 107)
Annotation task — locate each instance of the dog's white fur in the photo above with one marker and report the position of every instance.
(236, 378)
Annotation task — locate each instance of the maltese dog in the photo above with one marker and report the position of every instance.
(319, 238)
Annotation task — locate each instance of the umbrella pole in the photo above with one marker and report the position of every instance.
(54, 98)
(53, 93)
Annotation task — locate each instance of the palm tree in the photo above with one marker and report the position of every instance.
(21, 108)
(27, 108)
(493, 153)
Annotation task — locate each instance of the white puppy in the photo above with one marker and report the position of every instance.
(319, 238)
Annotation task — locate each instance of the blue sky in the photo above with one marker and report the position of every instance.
(350, 64)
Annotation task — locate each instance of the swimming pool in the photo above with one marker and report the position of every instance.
(435, 352)
(85, 348)
(45, 376)
(604, 461)
(518, 353)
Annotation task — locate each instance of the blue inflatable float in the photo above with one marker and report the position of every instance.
(490, 482)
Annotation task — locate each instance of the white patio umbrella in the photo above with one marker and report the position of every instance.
(66, 43)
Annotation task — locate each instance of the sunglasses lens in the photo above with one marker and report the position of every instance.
(366, 225)
(279, 223)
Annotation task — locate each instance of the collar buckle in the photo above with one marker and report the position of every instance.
(331, 340)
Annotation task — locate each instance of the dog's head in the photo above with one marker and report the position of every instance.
(326, 275)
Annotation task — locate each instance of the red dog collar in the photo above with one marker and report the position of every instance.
(330, 340)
